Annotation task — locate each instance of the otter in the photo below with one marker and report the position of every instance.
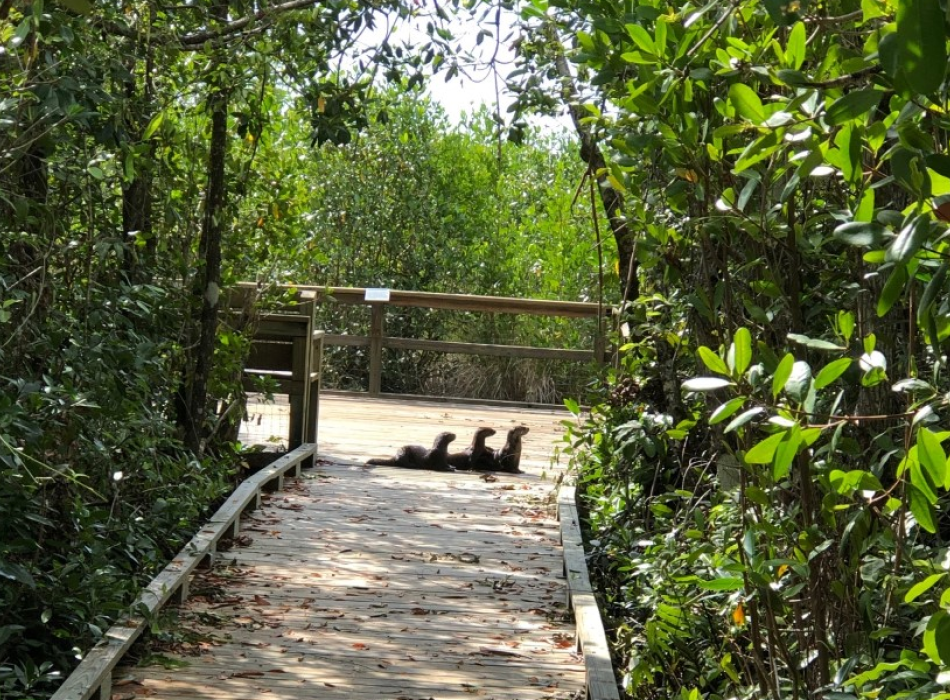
(508, 458)
(418, 457)
(469, 457)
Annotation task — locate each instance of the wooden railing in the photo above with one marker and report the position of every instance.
(377, 340)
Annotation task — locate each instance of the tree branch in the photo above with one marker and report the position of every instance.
(843, 80)
(239, 24)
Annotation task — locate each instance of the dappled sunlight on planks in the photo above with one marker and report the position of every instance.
(388, 583)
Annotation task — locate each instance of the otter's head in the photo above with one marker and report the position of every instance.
(518, 431)
(442, 440)
(484, 432)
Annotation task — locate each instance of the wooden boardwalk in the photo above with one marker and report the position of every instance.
(386, 583)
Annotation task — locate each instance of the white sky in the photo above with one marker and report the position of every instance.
(475, 85)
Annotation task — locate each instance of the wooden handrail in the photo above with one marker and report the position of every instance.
(457, 302)
(377, 340)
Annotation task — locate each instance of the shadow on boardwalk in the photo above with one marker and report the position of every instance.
(386, 583)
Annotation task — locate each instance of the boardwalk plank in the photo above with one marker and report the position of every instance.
(387, 583)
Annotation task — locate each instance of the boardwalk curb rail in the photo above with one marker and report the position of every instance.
(591, 638)
(94, 673)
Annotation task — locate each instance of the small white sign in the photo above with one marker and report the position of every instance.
(376, 294)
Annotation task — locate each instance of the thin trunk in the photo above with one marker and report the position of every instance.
(207, 286)
(594, 157)
(137, 195)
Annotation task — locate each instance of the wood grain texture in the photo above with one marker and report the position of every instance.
(591, 638)
(387, 583)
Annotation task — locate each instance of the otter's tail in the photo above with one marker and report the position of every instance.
(383, 462)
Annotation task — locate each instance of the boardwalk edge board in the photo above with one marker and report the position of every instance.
(591, 638)
(94, 672)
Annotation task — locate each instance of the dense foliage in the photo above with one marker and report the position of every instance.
(766, 470)
(151, 155)
(414, 203)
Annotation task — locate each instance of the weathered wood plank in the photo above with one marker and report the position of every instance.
(465, 302)
(591, 638)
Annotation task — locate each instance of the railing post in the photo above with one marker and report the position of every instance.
(376, 329)
(599, 342)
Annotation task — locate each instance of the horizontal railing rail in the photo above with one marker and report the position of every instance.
(379, 302)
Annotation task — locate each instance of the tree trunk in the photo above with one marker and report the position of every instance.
(594, 157)
(207, 283)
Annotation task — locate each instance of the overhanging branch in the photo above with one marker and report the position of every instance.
(238, 25)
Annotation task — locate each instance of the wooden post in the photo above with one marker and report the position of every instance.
(599, 342)
(313, 393)
(376, 329)
(300, 373)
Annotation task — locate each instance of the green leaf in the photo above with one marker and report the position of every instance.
(744, 418)
(799, 381)
(795, 46)
(153, 126)
(572, 406)
(764, 452)
(912, 384)
(18, 573)
(922, 44)
(846, 324)
(831, 372)
(876, 672)
(848, 482)
(712, 360)
(785, 453)
(922, 587)
(782, 373)
(909, 240)
(747, 103)
(723, 584)
(726, 410)
(931, 291)
(852, 105)
(705, 384)
(872, 9)
(861, 233)
(641, 38)
(865, 211)
(758, 150)
(937, 638)
(791, 77)
(922, 509)
(939, 163)
(893, 289)
(931, 456)
(743, 350)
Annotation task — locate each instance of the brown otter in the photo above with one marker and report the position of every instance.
(508, 458)
(418, 457)
(469, 457)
